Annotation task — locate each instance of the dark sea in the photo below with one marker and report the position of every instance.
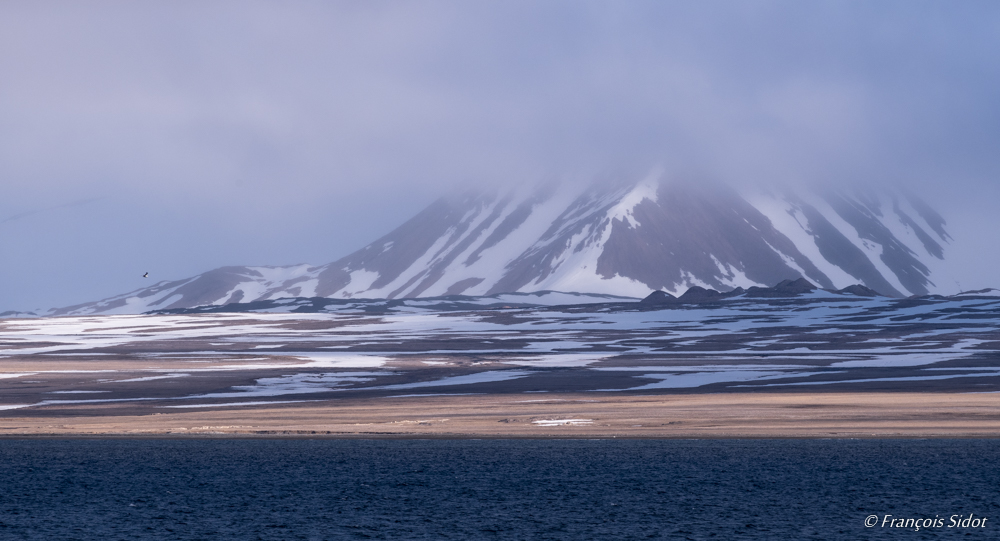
(498, 489)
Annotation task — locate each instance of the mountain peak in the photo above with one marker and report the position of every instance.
(618, 239)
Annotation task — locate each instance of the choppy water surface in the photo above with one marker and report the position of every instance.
(495, 489)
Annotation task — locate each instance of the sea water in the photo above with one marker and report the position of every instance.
(498, 489)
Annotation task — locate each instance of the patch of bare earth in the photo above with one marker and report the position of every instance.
(559, 415)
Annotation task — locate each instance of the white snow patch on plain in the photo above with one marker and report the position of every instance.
(900, 378)
(340, 360)
(6, 376)
(705, 368)
(431, 394)
(148, 378)
(558, 360)
(229, 404)
(899, 360)
(468, 379)
(563, 422)
(698, 379)
(295, 384)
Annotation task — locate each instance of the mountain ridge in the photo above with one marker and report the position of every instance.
(621, 239)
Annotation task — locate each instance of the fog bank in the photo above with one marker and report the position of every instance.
(177, 137)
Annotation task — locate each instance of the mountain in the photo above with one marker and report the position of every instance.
(621, 240)
(449, 303)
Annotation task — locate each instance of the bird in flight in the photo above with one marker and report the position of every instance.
(145, 275)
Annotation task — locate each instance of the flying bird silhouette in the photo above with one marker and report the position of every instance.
(145, 275)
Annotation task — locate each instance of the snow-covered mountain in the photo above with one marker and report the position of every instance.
(606, 239)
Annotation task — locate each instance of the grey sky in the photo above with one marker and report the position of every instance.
(175, 137)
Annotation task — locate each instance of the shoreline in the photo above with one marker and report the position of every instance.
(849, 415)
(459, 437)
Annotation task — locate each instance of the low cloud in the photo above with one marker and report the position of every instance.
(283, 133)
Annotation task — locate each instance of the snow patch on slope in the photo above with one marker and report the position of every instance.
(790, 221)
(647, 189)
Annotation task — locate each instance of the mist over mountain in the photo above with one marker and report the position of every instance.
(178, 137)
(623, 239)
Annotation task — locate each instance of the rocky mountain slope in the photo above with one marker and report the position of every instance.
(625, 239)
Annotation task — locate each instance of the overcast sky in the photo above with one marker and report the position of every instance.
(176, 137)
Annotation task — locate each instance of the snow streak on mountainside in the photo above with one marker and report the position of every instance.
(622, 240)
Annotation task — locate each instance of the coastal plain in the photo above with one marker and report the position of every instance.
(820, 365)
(735, 415)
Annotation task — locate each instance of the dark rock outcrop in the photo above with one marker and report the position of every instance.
(860, 290)
(986, 291)
(693, 294)
(700, 294)
(784, 288)
(658, 297)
